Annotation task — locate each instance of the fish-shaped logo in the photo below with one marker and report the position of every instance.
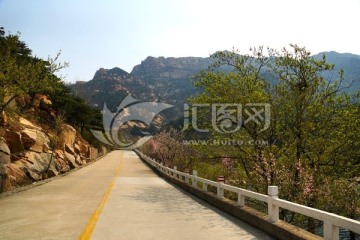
(130, 109)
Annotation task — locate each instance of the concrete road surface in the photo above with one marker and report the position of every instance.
(117, 197)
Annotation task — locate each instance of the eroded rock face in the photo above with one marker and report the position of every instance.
(4, 147)
(70, 159)
(4, 162)
(17, 174)
(28, 137)
(26, 155)
(67, 135)
(13, 140)
(27, 124)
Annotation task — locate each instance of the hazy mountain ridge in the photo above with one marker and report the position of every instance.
(170, 79)
(155, 79)
(350, 63)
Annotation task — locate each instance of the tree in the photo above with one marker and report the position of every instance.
(75, 110)
(312, 137)
(21, 73)
(168, 148)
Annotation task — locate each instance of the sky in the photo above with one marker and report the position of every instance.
(121, 33)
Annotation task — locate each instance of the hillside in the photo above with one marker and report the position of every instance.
(43, 127)
(32, 150)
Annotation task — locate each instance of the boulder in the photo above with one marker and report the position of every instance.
(71, 160)
(62, 165)
(14, 142)
(84, 149)
(59, 154)
(41, 100)
(28, 138)
(67, 135)
(38, 162)
(69, 149)
(93, 153)
(77, 149)
(12, 181)
(78, 160)
(5, 184)
(4, 157)
(4, 161)
(4, 147)
(27, 124)
(17, 174)
(34, 176)
(51, 173)
(42, 143)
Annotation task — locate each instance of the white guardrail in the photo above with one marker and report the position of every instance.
(332, 222)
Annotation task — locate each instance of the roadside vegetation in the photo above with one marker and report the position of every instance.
(23, 76)
(312, 149)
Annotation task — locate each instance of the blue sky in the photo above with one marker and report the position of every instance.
(109, 33)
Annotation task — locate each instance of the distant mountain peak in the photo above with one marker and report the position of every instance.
(335, 54)
(169, 79)
(116, 71)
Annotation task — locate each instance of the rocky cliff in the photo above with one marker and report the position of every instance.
(155, 79)
(111, 86)
(170, 79)
(30, 152)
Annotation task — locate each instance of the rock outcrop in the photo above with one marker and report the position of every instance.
(4, 162)
(26, 155)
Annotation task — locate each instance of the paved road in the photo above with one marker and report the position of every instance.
(118, 197)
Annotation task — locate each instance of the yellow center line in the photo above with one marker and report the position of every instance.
(86, 234)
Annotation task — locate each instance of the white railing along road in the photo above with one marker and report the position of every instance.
(332, 222)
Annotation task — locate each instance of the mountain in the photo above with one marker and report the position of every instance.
(155, 79)
(111, 86)
(169, 80)
(350, 63)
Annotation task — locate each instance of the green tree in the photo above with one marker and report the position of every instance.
(75, 110)
(21, 73)
(312, 138)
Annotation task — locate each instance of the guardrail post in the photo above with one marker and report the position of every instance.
(273, 210)
(187, 177)
(194, 182)
(240, 200)
(220, 190)
(158, 166)
(205, 186)
(175, 174)
(331, 232)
